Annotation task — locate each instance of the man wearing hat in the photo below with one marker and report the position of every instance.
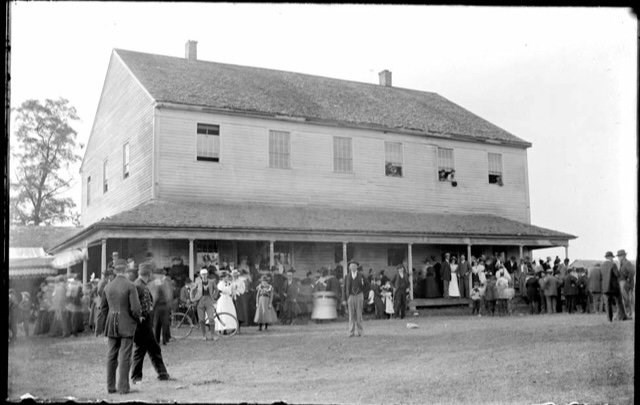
(143, 340)
(627, 282)
(162, 294)
(204, 294)
(400, 290)
(290, 293)
(121, 313)
(611, 287)
(353, 292)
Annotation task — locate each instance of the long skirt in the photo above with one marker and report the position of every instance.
(264, 314)
(225, 304)
(43, 323)
(242, 308)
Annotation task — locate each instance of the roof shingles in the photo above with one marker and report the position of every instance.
(266, 91)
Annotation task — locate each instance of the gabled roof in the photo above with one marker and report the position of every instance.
(318, 99)
(45, 237)
(307, 219)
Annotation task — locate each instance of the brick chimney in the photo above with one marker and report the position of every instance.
(191, 50)
(385, 78)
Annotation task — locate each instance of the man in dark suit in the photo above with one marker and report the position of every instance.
(627, 282)
(611, 287)
(290, 293)
(121, 313)
(353, 293)
(446, 275)
(400, 290)
(595, 288)
(143, 339)
(464, 271)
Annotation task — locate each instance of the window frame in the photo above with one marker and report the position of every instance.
(105, 176)
(88, 190)
(337, 159)
(126, 157)
(494, 176)
(390, 164)
(446, 172)
(203, 157)
(276, 157)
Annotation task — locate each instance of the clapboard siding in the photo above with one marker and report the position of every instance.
(125, 114)
(243, 173)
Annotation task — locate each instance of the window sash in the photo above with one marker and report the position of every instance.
(105, 177)
(445, 159)
(208, 142)
(495, 163)
(393, 158)
(125, 160)
(342, 155)
(279, 149)
(88, 190)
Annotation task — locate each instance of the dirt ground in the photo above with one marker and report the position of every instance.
(451, 358)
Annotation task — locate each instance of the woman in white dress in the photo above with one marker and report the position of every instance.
(225, 303)
(454, 291)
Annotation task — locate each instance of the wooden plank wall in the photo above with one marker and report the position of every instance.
(243, 173)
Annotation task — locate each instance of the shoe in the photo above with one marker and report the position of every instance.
(164, 377)
(136, 381)
(112, 391)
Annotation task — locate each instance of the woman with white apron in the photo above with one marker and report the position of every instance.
(225, 303)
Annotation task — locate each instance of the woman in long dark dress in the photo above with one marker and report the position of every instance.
(432, 288)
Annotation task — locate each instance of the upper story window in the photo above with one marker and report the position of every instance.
(105, 176)
(393, 159)
(495, 169)
(208, 142)
(446, 169)
(279, 149)
(125, 160)
(88, 190)
(342, 155)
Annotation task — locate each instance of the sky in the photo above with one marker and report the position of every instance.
(563, 79)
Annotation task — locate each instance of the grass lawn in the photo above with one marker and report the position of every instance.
(450, 358)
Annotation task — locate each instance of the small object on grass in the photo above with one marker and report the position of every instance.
(412, 326)
(27, 396)
(416, 314)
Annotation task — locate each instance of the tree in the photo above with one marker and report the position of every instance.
(46, 147)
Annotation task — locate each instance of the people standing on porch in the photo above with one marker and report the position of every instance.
(225, 303)
(120, 310)
(454, 286)
(464, 272)
(431, 284)
(115, 256)
(203, 294)
(446, 275)
(143, 340)
(611, 287)
(400, 291)
(353, 287)
(290, 299)
(162, 295)
(627, 282)
(265, 314)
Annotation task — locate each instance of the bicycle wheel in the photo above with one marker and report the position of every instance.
(229, 324)
(181, 325)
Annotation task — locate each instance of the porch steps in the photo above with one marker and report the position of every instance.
(438, 302)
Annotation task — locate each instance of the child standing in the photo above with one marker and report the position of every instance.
(387, 297)
(475, 299)
(265, 314)
(490, 295)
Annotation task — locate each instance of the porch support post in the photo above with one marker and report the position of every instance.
(469, 252)
(344, 259)
(521, 251)
(85, 264)
(104, 256)
(68, 271)
(566, 251)
(192, 264)
(410, 264)
(293, 261)
(272, 261)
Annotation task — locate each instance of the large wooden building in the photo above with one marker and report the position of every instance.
(187, 157)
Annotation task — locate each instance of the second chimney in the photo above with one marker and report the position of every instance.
(385, 78)
(191, 50)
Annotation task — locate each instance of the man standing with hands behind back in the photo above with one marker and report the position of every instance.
(121, 311)
(353, 291)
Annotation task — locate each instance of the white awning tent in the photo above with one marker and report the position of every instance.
(68, 258)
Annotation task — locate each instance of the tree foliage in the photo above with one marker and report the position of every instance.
(45, 149)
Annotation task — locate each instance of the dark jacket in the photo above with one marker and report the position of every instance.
(120, 308)
(610, 277)
(533, 288)
(358, 285)
(446, 271)
(550, 285)
(595, 279)
(401, 284)
(291, 290)
(570, 285)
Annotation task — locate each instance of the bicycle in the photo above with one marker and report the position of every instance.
(182, 322)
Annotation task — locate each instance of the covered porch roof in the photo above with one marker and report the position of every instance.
(158, 219)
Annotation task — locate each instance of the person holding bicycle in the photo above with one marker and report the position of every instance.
(204, 294)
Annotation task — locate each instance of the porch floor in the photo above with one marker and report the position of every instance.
(438, 302)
